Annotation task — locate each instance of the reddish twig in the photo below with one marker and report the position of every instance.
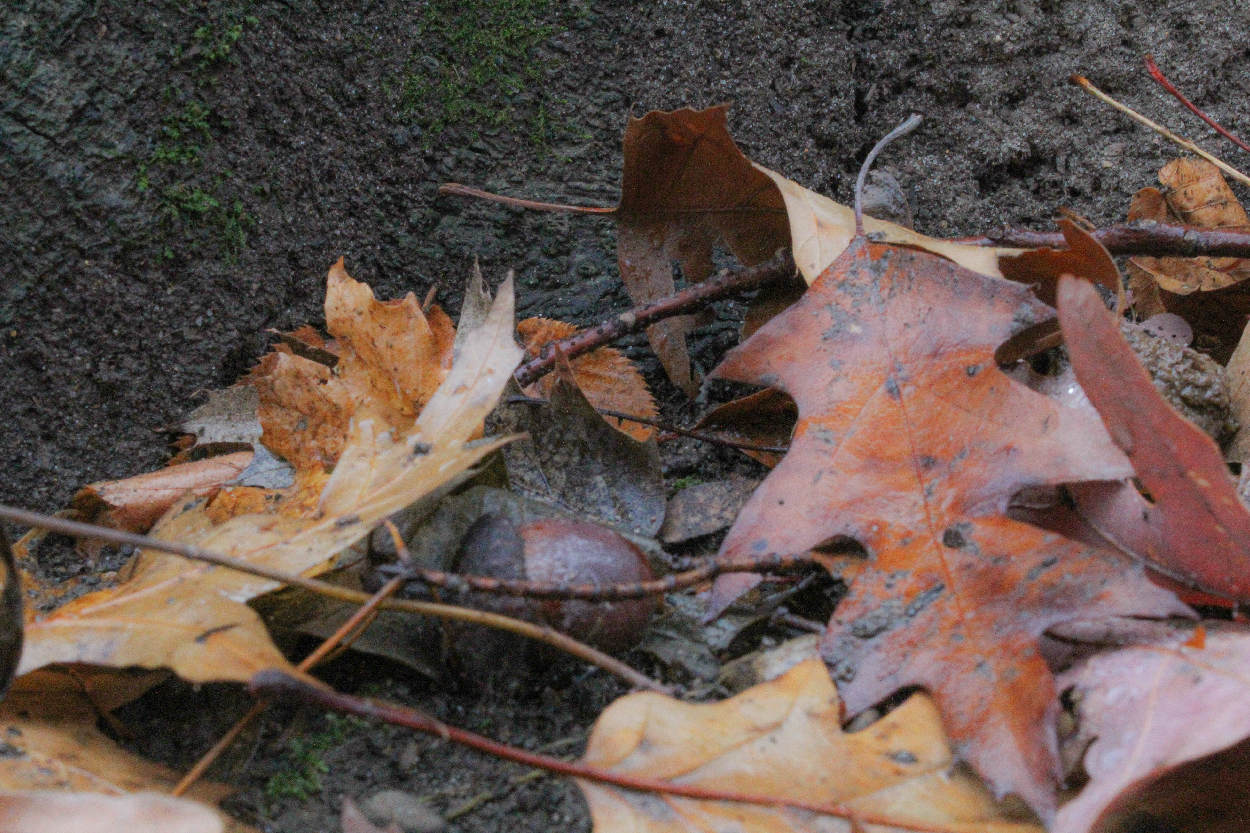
(1153, 240)
(462, 583)
(692, 299)
(274, 683)
(702, 436)
(1157, 75)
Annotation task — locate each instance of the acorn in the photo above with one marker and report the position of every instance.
(561, 552)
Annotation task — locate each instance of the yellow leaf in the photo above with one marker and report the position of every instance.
(783, 740)
(193, 618)
(821, 229)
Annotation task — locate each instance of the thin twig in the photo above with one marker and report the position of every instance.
(1157, 75)
(457, 582)
(691, 299)
(1084, 84)
(1148, 240)
(702, 436)
(274, 683)
(346, 594)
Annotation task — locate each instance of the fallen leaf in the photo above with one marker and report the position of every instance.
(229, 416)
(912, 442)
(1207, 292)
(391, 359)
(784, 740)
(1041, 268)
(354, 821)
(1194, 527)
(1146, 711)
(193, 618)
(39, 812)
(686, 186)
(1239, 398)
(765, 418)
(573, 459)
(135, 503)
(608, 380)
(704, 508)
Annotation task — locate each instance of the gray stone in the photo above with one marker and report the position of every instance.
(409, 812)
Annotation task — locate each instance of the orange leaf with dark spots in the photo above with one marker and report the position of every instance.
(911, 441)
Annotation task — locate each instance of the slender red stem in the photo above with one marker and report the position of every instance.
(1157, 74)
(275, 683)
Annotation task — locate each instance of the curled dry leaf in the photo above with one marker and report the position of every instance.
(1194, 527)
(135, 503)
(784, 740)
(607, 379)
(912, 442)
(1146, 711)
(765, 418)
(193, 618)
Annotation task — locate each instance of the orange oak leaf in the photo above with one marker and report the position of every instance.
(911, 441)
(1194, 528)
(607, 379)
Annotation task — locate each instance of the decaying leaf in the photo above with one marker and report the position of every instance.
(764, 419)
(912, 442)
(1239, 398)
(193, 618)
(784, 739)
(607, 379)
(1146, 711)
(573, 459)
(704, 508)
(1194, 527)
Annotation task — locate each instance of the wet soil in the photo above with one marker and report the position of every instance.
(179, 175)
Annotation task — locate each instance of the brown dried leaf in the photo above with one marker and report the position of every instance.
(1208, 292)
(765, 418)
(912, 442)
(784, 739)
(193, 618)
(607, 379)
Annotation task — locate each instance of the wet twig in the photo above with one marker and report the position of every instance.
(1145, 239)
(692, 299)
(274, 683)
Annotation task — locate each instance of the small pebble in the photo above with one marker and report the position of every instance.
(410, 813)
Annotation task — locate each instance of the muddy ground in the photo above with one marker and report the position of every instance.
(178, 176)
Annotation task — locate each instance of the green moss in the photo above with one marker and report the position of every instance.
(474, 65)
(304, 763)
(686, 482)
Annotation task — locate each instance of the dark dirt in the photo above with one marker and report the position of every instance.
(178, 176)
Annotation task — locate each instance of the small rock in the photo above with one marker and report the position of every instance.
(407, 811)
